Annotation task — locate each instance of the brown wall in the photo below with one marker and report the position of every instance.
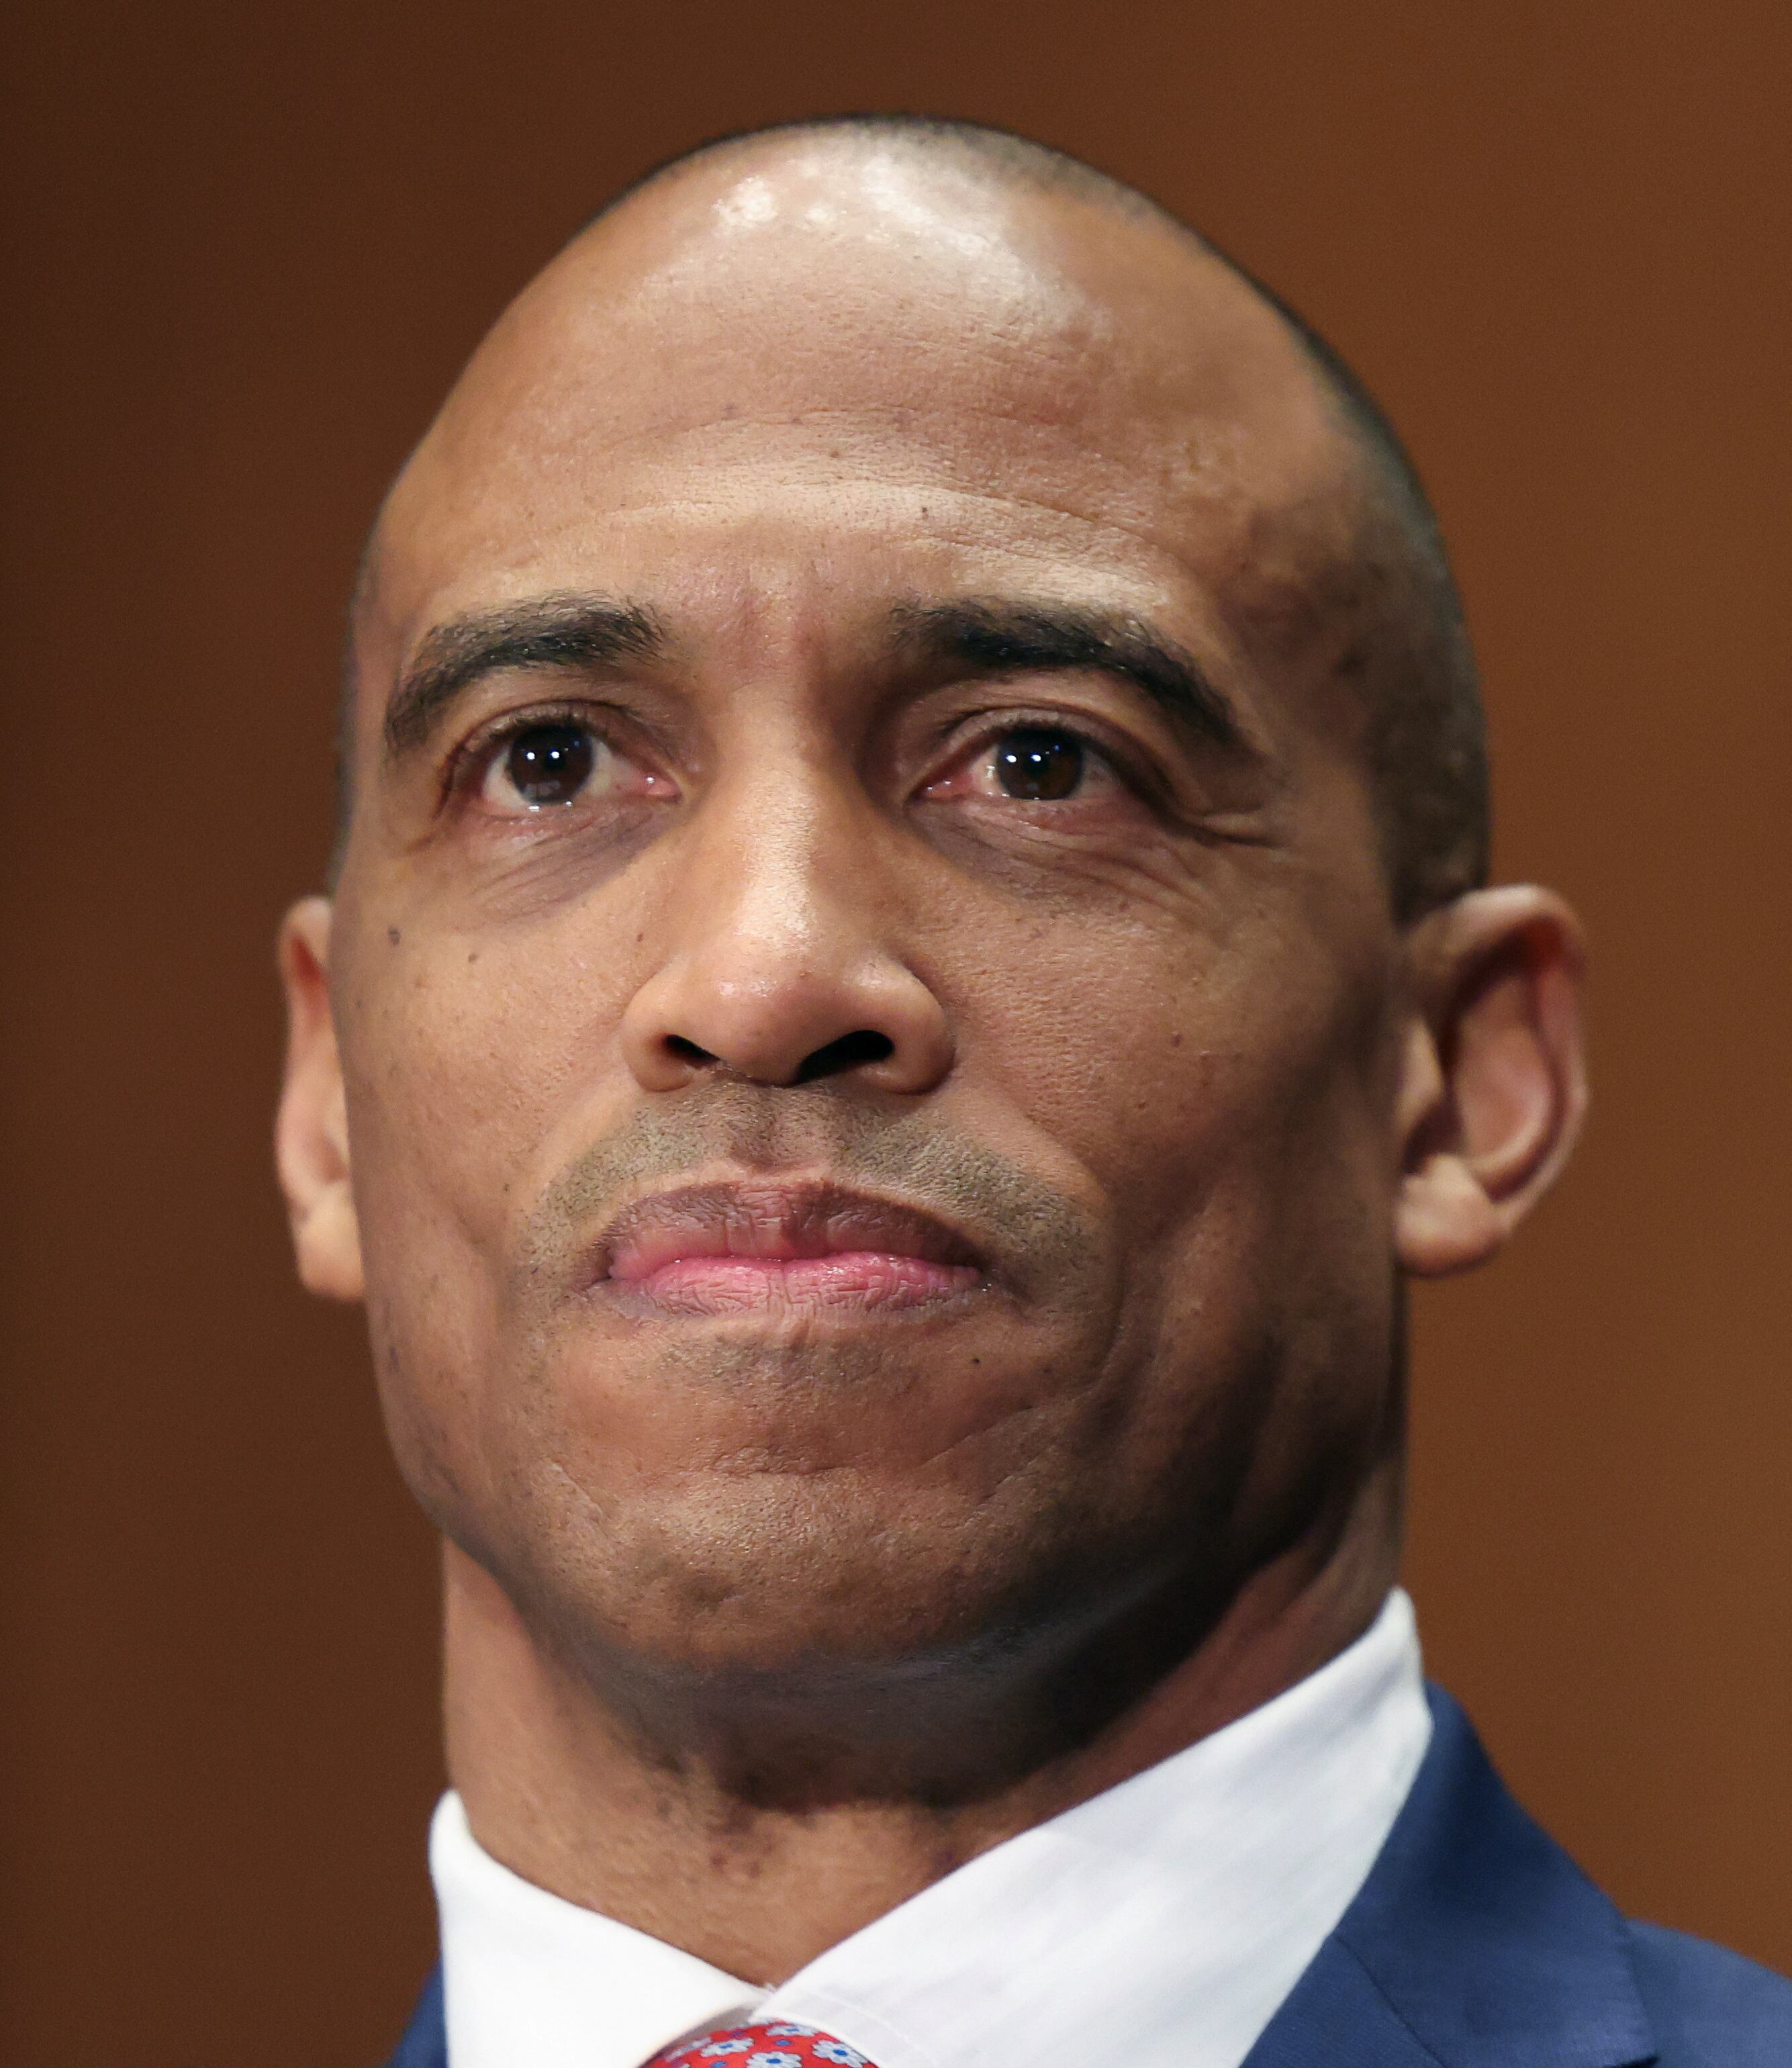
(251, 242)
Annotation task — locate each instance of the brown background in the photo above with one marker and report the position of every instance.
(250, 244)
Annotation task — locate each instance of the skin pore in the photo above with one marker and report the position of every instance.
(862, 1059)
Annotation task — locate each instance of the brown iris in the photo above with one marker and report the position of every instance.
(550, 764)
(1036, 762)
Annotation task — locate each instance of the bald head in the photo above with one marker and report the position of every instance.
(958, 194)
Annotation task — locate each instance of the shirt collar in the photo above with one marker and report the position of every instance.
(530, 1980)
(1161, 1922)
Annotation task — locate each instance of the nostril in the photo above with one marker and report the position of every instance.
(847, 1053)
(687, 1051)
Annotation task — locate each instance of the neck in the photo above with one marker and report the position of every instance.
(564, 1792)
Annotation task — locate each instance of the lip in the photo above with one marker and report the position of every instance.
(746, 1246)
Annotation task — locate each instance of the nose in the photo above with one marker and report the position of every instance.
(780, 967)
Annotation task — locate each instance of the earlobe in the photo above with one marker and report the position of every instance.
(1493, 1084)
(311, 1138)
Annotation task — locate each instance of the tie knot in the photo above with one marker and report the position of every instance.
(771, 2045)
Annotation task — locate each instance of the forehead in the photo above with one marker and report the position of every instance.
(848, 372)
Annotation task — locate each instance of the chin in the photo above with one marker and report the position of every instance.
(776, 1572)
(809, 1639)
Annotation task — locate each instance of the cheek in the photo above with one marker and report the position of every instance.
(1228, 1100)
(1225, 1088)
(461, 1062)
(460, 1053)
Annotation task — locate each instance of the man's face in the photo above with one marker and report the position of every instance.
(865, 993)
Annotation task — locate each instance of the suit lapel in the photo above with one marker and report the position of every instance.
(1337, 2017)
(1475, 1943)
(425, 2044)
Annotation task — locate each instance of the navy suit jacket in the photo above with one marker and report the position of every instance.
(1477, 1943)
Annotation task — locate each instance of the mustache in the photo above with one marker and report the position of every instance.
(1028, 1229)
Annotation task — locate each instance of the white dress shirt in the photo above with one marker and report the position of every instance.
(1161, 1923)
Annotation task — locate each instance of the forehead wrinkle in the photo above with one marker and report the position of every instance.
(956, 469)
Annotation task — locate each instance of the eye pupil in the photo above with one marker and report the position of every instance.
(1036, 762)
(549, 764)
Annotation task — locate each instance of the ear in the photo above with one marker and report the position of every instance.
(1493, 1080)
(311, 1133)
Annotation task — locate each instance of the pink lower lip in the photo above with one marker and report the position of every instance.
(862, 1278)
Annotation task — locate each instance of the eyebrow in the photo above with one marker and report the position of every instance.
(991, 637)
(1002, 638)
(563, 631)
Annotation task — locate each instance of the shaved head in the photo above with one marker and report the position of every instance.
(1424, 738)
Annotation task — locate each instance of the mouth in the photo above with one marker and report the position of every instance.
(734, 1248)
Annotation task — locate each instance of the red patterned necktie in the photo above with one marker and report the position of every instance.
(779, 2045)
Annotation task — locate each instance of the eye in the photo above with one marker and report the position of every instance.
(550, 762)
(541, 766)
(1030, 764)
(1038, 763)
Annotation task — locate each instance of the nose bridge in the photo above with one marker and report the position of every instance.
(776, 866)
(779, 960)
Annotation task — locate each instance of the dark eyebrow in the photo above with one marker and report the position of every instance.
(1001, 638)
(558, 631)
